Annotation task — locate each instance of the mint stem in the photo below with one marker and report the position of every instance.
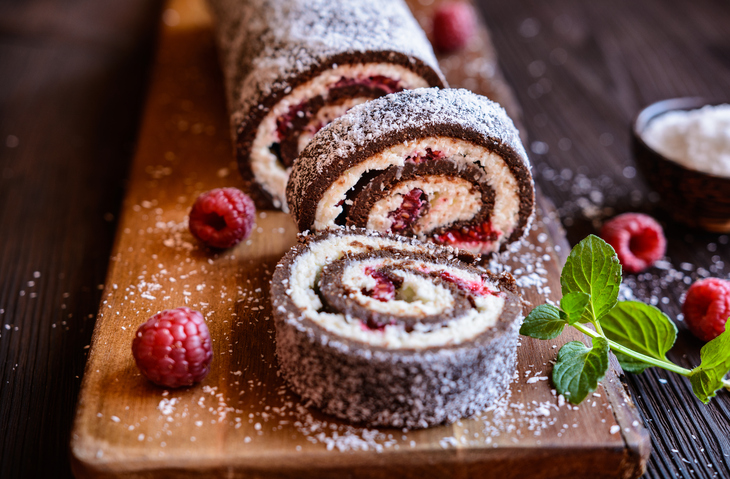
(726, 383)
(646, 359)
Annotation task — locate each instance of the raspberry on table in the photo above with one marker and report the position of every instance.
(637, 238)
(707, 307)
(222, 217)
(454, 23)
(173, 349)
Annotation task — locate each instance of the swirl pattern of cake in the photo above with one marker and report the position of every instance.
(291, 66)
(384, 330)
(440, 164)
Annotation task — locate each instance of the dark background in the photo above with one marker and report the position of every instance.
(72, 83)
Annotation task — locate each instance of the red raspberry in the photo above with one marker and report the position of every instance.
(637, 238)
(707, 307)
(454, 23)
(221, 218)
(172, 348)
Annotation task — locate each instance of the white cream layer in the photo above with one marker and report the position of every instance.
(449, 200)
(307, 267)
(418, 296)
(505, 215)
(267, 170)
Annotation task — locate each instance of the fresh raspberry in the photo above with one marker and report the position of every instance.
(454, 23)
(637, 238)
(707, 307)
(221, 218)
(172, 348)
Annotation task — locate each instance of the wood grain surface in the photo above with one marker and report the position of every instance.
(72, 79)
(242, 420)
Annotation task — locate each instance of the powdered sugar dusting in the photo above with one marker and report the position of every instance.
(418, 109)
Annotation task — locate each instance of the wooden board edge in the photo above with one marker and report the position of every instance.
(502, 463)
(635, 435)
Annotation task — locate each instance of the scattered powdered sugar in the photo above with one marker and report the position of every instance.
(167, 406)
(666, 283)
(527, 262)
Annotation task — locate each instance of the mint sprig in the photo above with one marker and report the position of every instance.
(639, 334)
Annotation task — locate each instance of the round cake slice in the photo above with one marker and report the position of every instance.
(443, 165)
(385, 330)
(291, 66)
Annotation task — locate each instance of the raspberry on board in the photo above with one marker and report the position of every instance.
(454, 23)
(707, 307)
(637, 238)
(222, 217)
(173, 348)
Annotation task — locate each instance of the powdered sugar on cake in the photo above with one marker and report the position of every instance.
(419, 109)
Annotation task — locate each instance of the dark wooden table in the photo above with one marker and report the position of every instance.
(72, 80)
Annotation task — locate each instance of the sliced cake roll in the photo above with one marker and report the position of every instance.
(386, 330)
(291, 66)
(443, 165)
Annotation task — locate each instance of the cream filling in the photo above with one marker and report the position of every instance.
(497, 175)
(306, 269)
(267, 170)
(417, 296)
(450, 200)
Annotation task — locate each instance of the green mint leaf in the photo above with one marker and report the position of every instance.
(574, 304)
(642, 328)
(543, 322)
(593, 268)
(707, 378)
(579, 369)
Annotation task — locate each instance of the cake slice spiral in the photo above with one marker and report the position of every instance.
(386, 330)
(291, 66)
(444, 165)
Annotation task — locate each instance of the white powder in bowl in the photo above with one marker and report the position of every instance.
(697, 139)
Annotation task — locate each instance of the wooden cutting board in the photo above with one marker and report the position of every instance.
(243, 421)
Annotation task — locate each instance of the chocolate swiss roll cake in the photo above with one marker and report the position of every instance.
(385, 330)
(291, 66)
(443, 165)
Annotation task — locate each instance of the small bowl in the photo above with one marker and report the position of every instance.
(697, 199)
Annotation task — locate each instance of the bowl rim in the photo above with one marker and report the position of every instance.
(658, 108)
